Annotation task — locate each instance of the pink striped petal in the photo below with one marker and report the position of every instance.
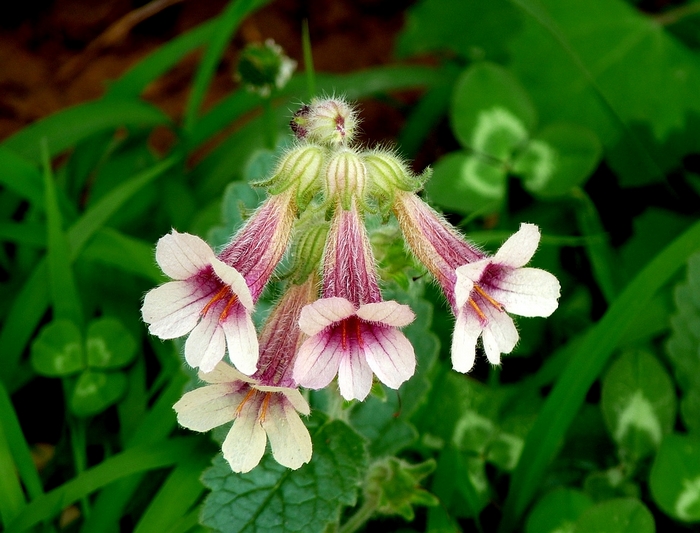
(354, 374)
(466, 332)
(390, 313)
(231, 277)
(322, 313)
(241, 339)
(528, 292)
(181, 255)
(206, 345)
(172, 309)
(390, 355)
(317, 361)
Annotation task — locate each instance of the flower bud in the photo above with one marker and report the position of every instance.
(388, 172)
(300, 167)
(346, 177)
(329, 121)
(264, 67)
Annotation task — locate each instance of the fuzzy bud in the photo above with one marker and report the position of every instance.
(346, 177)
(300, 167)
(328, 121)
(388, 173)
(264, 67)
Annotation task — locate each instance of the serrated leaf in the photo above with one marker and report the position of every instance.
(467, 183)
(58, 350)
(557, 511)
(109, 344)
(491, 113)
(557, 159)
(95, 391)
(638, 402)
(272, 497)
(621, 515)
(675, 477)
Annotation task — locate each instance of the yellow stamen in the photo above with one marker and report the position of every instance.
(476, 308)
(359, 334)
(227, 309)
(251, 392)
(488, 298)
(265, 405)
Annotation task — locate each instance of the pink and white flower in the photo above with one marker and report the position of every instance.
(482, 290)
(260, 413)
(352, 332)
(212, 297)
(488, 289)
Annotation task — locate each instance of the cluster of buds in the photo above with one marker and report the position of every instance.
(332, 319)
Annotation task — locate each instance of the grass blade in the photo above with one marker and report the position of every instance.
(11, 495)
(590, 358)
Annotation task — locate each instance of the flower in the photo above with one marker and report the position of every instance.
(208, 299)
(259, 412)
(487, 289)
(481, 289)
(352, 331)
(212, 297)
(354, 342)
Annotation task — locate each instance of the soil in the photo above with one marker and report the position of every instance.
(51, 55)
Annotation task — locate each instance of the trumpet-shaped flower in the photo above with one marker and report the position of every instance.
(482, 290)
(352, 332)
(260, 413)
(212, 297)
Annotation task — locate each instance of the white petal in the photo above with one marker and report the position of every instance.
(206, 345)
(241, 339)
(289, 439)
(499, 335)
(244, 445)
(390, 313)
(208, 407)
(293, 396)
(224, 373)
(181, 255)
(322, 313)
(317, 361)
(354, 374)
(234, 279)
(528, 292)
(466, 332)
(173, 309)
(467, 276)
(390, 355)
(520, 247)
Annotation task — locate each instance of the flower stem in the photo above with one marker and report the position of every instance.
(360, 518)
(78, 446)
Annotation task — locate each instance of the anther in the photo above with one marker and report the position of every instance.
(488, 298)
(251, 392)
(219, 295)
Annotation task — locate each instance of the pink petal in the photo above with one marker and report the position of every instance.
(528, 292)
(467, 276)
(322, 313)
(172, 309)
(206, 345)
(499, 335)
(390, 355)
(231, 277)
(520, 247)
(354, 374)
(244, 445)
(208, 407)
(466, 332)
(181, 255)
(390, 313)
(317, 361)
(241, 339)
(289, 439)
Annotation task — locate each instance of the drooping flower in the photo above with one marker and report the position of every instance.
(264, 406)
(481, 290)
(259, 412)
(352, 331)
(212, 297)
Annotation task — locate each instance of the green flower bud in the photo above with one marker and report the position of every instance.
(300, 167)
(388, 173)
(264, 67)
(328, 121)
(346, 177)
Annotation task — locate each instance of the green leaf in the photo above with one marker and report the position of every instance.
(466, 183)
(491, 113)
(20, 176)
(621, 515)
(70, 126)
(11, 496)
(593, 352)
(272, 496)
(557, 511)
(135, 256)
(58, 350)
(557, 159)
(675, 477)
(95, 391)
(109, 344)
(638, 402)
